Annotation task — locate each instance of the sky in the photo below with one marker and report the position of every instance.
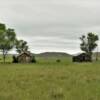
(51, 25)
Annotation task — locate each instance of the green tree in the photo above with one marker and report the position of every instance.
(21, 46)
(7, 40)
(89, 43)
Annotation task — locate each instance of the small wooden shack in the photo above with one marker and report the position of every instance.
(82, 57)
(25, 57)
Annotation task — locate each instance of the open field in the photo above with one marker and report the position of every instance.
(49, 80)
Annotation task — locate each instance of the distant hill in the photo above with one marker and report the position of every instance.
(53, 54)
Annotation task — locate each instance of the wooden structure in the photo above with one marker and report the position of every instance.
(82, 57)
(25, 57)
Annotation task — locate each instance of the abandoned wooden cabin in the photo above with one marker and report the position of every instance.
(82, 57)
(25, 57)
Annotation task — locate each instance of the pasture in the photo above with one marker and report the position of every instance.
(50, 80)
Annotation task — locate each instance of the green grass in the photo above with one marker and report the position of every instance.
(49, 80)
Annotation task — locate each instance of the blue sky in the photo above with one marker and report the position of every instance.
(51, 25)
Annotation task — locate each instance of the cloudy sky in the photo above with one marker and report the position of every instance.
(51, 25)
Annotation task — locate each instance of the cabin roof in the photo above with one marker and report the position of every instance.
(78, 54)
(27, 53)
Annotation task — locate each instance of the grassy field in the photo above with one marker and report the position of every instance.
(49, 80)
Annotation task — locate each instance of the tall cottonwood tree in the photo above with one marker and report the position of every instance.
(7, 40)
(21, 46)
(89, 43)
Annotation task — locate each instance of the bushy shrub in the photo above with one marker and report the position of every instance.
(33, 59)
(15, 59)
(58, 60)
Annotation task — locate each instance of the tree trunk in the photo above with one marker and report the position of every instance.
(4, 57)
(90, 55)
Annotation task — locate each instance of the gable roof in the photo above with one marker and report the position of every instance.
(79, 54)
(27, 53)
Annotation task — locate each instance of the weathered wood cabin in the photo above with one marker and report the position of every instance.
(82, 57)
(25, 57)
